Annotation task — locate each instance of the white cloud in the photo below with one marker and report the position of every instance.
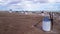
(27, 4)
(6, 2)
(58, 1)
(51, 1)
(0, 0)
(3, 2)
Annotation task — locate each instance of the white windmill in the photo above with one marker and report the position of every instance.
(10, 11)
(47, 22)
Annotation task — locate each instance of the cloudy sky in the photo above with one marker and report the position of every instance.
(30, 5)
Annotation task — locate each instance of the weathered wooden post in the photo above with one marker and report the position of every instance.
(51, 18)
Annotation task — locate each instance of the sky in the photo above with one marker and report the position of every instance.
(30, 5)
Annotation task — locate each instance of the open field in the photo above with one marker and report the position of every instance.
(14, 23)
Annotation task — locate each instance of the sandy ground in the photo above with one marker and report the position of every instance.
(13, 23)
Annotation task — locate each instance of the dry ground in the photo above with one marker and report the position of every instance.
(13, 23)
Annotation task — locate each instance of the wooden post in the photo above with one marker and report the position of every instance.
(51, 18)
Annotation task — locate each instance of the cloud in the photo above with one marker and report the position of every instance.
(57, 1)
(6, 2)
(30, 5)
(26, 5)
(3, 2)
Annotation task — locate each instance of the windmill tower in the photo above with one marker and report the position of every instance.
(47, 22)
(10, 11)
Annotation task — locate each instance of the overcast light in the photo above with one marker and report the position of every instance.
(30, 5)
(51, 1)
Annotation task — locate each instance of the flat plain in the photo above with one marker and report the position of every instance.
(15, 23)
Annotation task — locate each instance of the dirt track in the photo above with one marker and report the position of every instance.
(23, 24)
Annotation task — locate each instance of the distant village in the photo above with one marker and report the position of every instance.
(43, 13)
